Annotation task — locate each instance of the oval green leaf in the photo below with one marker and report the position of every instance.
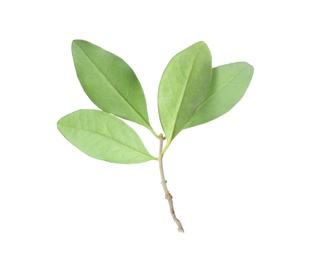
(103, 136)
(110, 82)
(228, 85)
(184, 85)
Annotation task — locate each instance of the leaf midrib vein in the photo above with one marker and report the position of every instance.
(215, 93)
(112, 139)
(182, 97)
(120, 95)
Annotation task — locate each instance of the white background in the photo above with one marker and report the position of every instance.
(243, 185)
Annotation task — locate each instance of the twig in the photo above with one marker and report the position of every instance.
(168, 195)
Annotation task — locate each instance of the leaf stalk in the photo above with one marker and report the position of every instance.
(152, 131)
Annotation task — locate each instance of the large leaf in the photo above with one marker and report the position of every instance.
(184, 85)
(228, 85)
(109, 82)
(103, 137)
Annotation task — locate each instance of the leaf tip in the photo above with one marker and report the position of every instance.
(78, 43)
(202, 46)
(250, 68)
(74, 43)
(246, 66)
(58, 124)
(74, 46)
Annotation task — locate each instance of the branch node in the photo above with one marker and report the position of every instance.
(168, 196)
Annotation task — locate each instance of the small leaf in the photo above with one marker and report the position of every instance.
(184, 85)
(103, 137)
(109, 82)
(228, 85)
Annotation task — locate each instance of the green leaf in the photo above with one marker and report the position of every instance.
(184, 85)
(110, 83)
(103, 136)
(228, 85)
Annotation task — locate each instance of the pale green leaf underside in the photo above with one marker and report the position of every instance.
(228, 85)
(184, 85)
(103, 136)
(109, 82)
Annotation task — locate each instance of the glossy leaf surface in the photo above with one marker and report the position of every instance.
(228, 85)
(109, 82)
(103, 136)
(184, 85)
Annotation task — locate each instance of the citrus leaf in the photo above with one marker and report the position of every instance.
(228, 85)
(103, 136)
(184, 85)
(109, 82)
